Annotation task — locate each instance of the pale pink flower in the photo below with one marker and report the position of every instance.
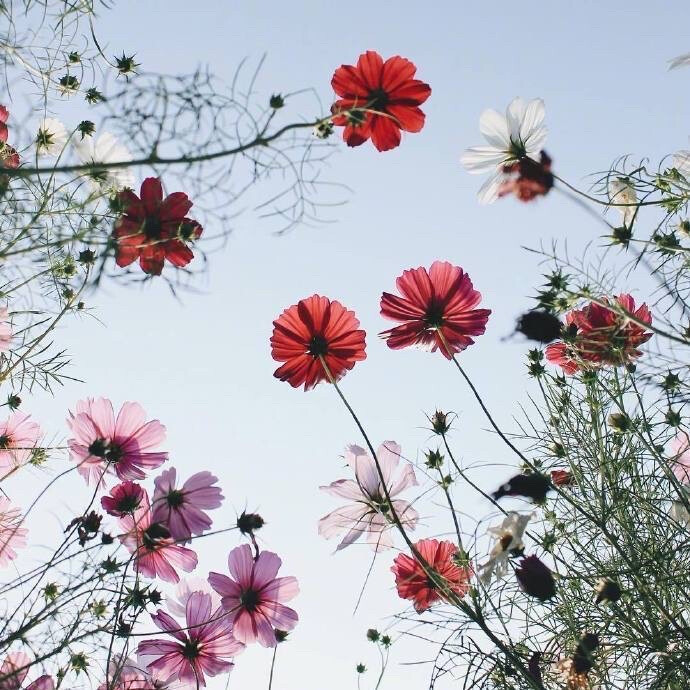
(156, 553)
(680, 457)
(12, 535)
(181, 509)
(130, 675)
(103, 444)
(5, 329)
(19, 435)
(177, 605)
(14, 670)
(254, 598)
(202, 648)
(369, 511)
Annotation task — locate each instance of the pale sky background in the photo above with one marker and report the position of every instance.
(203, 366)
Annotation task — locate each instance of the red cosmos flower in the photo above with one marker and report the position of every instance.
(9, 158)
(527, 178)
(153, 229)
(379, 99)
(412, 582)
(562, 478)
(316, 327)
(436, 306)
(599, 335)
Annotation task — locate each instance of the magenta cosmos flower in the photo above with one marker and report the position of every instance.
(156, 553)
(123, 499)
(123, 445)
(254, 597)
(12, 534)
(5, 331)
(436, 310)
(19, 435)
(14, 670)
(201, 648)
(368, 511)
(181, 509)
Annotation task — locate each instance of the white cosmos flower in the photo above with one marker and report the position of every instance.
(681, 162)
(622, 192)
(51, 137)
(520, 132)
(678, 512)
(101, 150)
(508, 539)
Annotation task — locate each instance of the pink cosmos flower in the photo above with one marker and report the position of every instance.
(680, 457)
(202, 649)
(14, 670)
(123, 499)
(181, 510)
(19, 435)
(103, 444)
(12, 535)
(157, 554)
(5, 331)
(254, 598)
(369, 510)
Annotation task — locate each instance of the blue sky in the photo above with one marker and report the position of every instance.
(203, 365)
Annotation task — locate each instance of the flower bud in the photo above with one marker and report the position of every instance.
(276, 101)
(535, 578)
(540, 325)
(248, 523)
(434, 460)
(619, 422)
(607, 590)
(534, 485)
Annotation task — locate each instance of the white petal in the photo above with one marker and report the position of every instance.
(494, 128)
(482, 159)
(681, 162)
(488, 192)
(533, 119)
(515, 114)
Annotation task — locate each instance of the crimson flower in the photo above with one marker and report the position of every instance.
(201, 647)
(254, 597)
(9, 158)
(599, 335)
(413, 582)
(562, 478)
(526, 178)
(378, 99)
(436, 310)
(153, 229)
(123, 499)
(316, 327)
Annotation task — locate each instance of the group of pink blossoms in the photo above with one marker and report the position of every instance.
(155, 531)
